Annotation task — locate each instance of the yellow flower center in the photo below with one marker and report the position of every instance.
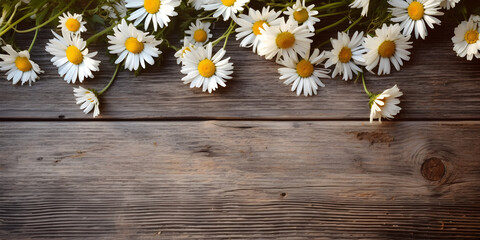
(471, 36)
(23, 64)
(206, 68)
(257, 25)
(345, 55)
(285, 40)
(416, 10)
(152, 6)
(72, 24)
(304, 68)
(133, 45)
(300, 15)
(228, 3)
(200, 35)
(74, 55)
(386, 49)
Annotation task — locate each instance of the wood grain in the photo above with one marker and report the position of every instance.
(436, 84)
(238, 179)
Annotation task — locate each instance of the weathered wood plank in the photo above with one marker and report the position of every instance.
(435, 83)
(239, 179)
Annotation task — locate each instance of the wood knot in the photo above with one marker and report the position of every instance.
(433, 169)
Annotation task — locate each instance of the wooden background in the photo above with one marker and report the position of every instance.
(251, 160)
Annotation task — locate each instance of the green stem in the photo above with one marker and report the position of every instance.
(353, 24)
(332, 25)
(323, 43)
(95, 36)
(46, 22)
(11, 17)
(225, 34)
(86, 7)
(228, 35)
(365, 86)
(332, 14)
(33, 40)
(111, 81)
(330, 5)
(16, 22)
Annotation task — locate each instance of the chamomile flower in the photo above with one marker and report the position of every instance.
(72, 58)
(187, 47)
(466, 40)
(303, 14)
(206, 71)
(363, 4)
(135, 46)
(346, 54)
(388, 46)
(385, 104)
(447, 4)
(475, 18)
(115, 9)
(199, 33)
(19, 66)
(71, 23)
(226, 8)
(88, 99)
(413, 14)
(302, 73)
(284, 40)
(198, 4)
(250, 25)
(156, 11)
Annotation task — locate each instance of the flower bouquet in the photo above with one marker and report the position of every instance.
(310, 40)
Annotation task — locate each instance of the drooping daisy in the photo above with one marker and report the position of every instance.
(284, 40)
(303, 14)
(206, 71)
(389, 46)
(303, 73)
(72, 24)
(249, 25)
(19, 66)
(156, 11)
(187, 47)
(115, 9)
(363, 4)
(88, 99)
(346, 54)
(226, 8)
(72, 57)
(447, 4)
(198, 4)
(199, 33)
(385, 104)
(413, 14)
(135, 46)
(475, 18)
(466, 40)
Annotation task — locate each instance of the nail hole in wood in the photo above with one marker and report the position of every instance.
(61, 116)
(433, 169)
(283, 194)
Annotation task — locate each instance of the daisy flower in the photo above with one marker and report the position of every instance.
(346, 54)
(303, 14)
(72, 24)
(115, 9)
(413, 14)
(388, 46)
(250, 25)
(303, 74)
(199, 33)
(447, 4)
(466, 40)
(363, 4)
(385, 104)
(226, 8)
(88, 99)
(187, 47)
(198, 4)
(206, 71)
(156, 11)
(135, 46)
(284, 40)
(475, 18)
(72, 58)
(19, 66)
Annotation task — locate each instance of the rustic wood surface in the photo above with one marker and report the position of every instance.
(251, 161)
